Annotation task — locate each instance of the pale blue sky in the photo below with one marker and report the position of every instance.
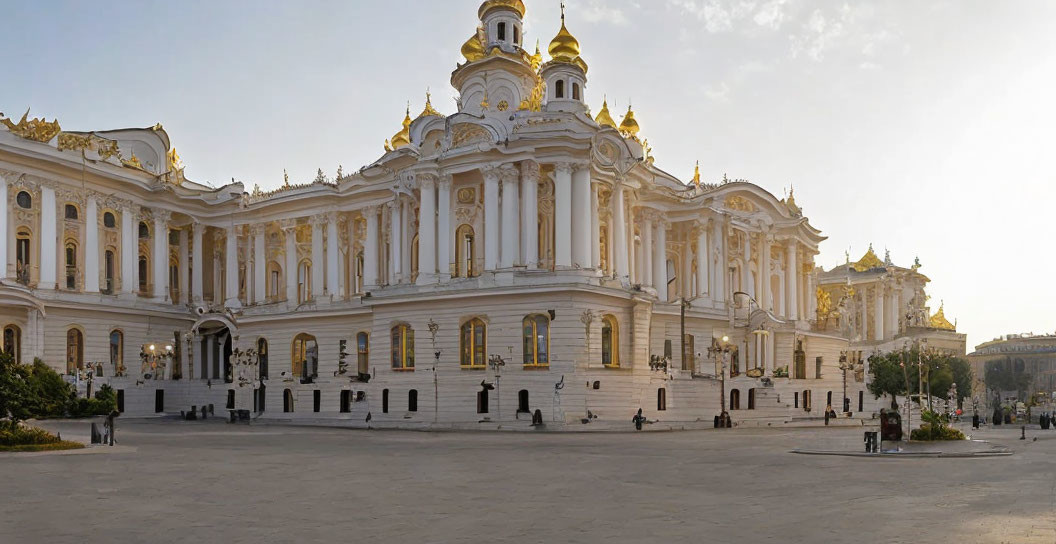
(925, 128)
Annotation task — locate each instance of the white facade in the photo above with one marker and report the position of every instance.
(519, 229)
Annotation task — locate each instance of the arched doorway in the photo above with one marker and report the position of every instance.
(214, 342)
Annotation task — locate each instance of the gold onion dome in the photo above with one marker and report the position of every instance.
(429, 109)
(403, 137)
(473, 50)
(603, 118)
(629, 126)
(488, 5)
(564, 47)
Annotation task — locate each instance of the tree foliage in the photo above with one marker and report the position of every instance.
(1003, 377)
(901, 372)
(28, 391)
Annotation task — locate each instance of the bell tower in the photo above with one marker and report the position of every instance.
(566, 73)
(498, 75)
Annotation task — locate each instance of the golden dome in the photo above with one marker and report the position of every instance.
(473, 50)
(564, 47)
(868, 261)
(403, 137)
(939, 321)
(603, 118)
(488, 5)
(629, 127)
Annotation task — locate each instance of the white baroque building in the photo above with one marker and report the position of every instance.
(517, 255)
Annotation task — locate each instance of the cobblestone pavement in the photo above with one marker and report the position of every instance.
(212, 482)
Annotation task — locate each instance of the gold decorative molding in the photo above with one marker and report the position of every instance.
(36, 129)
(738, 203)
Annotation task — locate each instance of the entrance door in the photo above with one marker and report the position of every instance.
(159, 401)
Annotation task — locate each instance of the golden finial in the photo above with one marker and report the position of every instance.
(629, 126)
(537, 59)
(285, 178)
(429, 109)
(696, 174)
(604, 118)
(175, 163)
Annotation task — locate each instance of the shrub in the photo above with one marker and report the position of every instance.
(54, 446)
(929, 431)
(15, 434)
(49, 394)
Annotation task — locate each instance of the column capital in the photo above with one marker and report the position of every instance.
(426, 178)
(197, 227)
(508, 173)
(444, 181)
(530, 171)
(288, 225)
(161, 215)
(564, 167)
(258, 229)
(491, 172)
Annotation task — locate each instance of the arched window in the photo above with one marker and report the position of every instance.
(13, 342)
(402, 347)
(465, 252)
(575, 91)
(516, 35)
(661, 399)
(262, 358)
(414, 258)
(274, 279)
(536, 340)
(144, 230)
(109, 221)
(473, 343)
(23, 262)
(108, 272)
(357, 280)
(74, 350)
(610, 341)
(71, 264)
(117, 352)
(502, 32)
(144, 270)
(287, 400)
(559, 89)
(363, 353)
(24, 200)
(735, 399)
(304, 281)
(412, 400)
(70, 212)
(305, 358)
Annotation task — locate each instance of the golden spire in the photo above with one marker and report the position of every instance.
(696, 174)
(403, 137)
(473, 49)
(537, 58)
(429, 109)
(629, 127)
(564, 47)
(603, 118)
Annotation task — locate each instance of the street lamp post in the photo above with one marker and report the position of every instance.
(844, 367)
(720, 351)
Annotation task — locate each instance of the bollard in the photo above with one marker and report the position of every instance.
(1023, 431)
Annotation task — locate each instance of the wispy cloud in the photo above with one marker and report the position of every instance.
(597, 11)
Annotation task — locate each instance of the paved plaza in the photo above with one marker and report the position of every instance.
(172, 481)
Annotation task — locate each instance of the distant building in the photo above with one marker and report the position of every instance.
(1034, 355)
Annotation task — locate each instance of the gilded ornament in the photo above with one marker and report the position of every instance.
(564, 47)
(429, 110)
(502, 105)
(868, 261)
(604, 118)
(696, 174)
(738, 203)
(629, 126)
(473, 49)
(132, 161)
(465, 133)
(467, 195)
(36, 129)
(939, 321)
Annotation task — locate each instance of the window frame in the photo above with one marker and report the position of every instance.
(301, 355)
(533, 321)
(363, 352)
(401, 358)
(613, 324)
(472, 326)
(16, 341)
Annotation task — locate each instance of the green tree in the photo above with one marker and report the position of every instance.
(50, 394)
(887, 376)
(14, 389)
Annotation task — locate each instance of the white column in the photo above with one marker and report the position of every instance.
(370, 250)
(289, 228)
(595, 229)
(702, 261)
(231, 268)
(443, 228)
(563, 215)
(395, 243)
(619, 229)
(864, 315)
(511, 235)
(185, 273)
(3, 227)
(260, 264)
(161, 255)
(581, 216)
(648, 269)
(491, 218)
(721, 269)
(427, 229)
(530, 213)
(48, 255)
(407, 232)
(792, 280)
(764, 272)
(197, 229)
(129, 251)
(747, 284)
(210, 348)
(318, 260)
(660, 259)
(332, 254)
(878, 313)
(91, 246)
